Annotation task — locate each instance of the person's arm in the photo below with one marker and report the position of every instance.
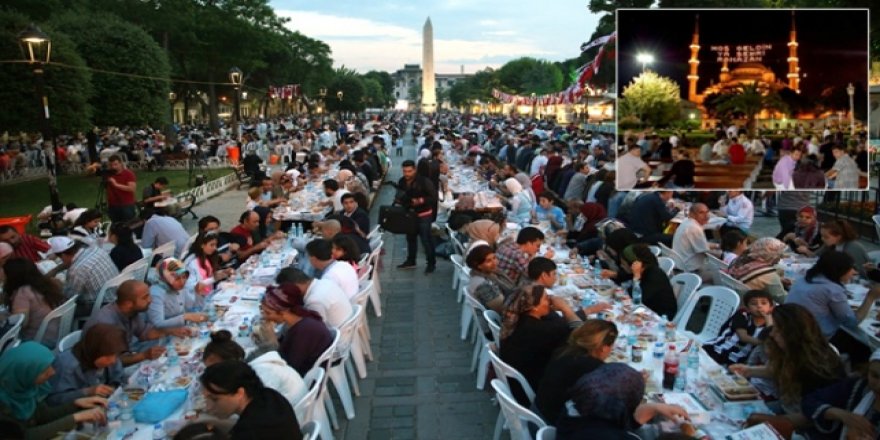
(740, 324)
(127, 187)
(645, 412)
(156, 313)
(865, 307)
(50, 420)
(751, 371)
(149, 236)
(65, 386)
(826, 407)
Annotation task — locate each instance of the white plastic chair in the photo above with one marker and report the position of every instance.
(336, 370)
(546, 433)
(311, 430)
(716, 265)
(374, 233)
(138, 269)
(363, 273)
(667, 251)
(375, 292)
(64, 313)
(666, 264)
(685, 285)
(310, 408)
(109, 287)
(182, 252)
(324, 361)
(724, 303)
(456, 243)
(363, 264)
(876, 219)
(9, 339)
(166, 250)
(362, 351)
(479, 359)
(375, 242)
(655, 250)
(506, 373)
(517, 417)
(462, 272)
(69, 341)
(733, 283)
(493, 320)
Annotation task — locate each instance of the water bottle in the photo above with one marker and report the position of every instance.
(693, 357)
(597, 269)
(211, 311)
(789, 271)
(126, 416)
(587, 301)
(299, 230)
(112, 412)
(632, 336)
(680, 381)
(171, 353)
(637, 293)
(158, 432)
(204, 333)
(658, 352)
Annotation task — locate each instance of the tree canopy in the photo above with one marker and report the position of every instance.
(651, 98)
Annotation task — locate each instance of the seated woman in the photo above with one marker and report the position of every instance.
(30, 292)
(546, 211)
(610, 256)
(800, 361)
(839, 235)
(169, 303)
(266, 362)
(756, 267)
(588, 347)
(583, 227)
(203, 266)
(305, 336)
(87, 227)
(849, 408)
(657, 293)
(24, 373)
(484, 229)
(520, 204)
(126, 251)
(806, 231)
(531, 331)
(822, 292)
(232, 387)
(487, 284)
(607, 404)
(91, 367)
(346, 249)
(733, 244)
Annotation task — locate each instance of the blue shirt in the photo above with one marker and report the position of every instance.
(70, 378)
(826, 300)
(553, 214)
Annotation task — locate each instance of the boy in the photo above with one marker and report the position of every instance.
(398, 144)
(741, 333)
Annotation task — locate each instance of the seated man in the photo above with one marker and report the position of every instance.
(648, 217)
(248, 231)
(352, 210)
(740, 212)
(320, 253)
(346, 227)
(321, 295)
(334, 194)
(161, 228)
(88, 268)
(24, 246)
(690, 242)
(132, 300)
(513, 258)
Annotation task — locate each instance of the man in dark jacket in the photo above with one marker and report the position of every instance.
(418, 194)
(648, 217)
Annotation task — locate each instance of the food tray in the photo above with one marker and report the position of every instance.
(733, 388)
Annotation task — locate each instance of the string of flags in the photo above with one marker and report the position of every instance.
(284, 92)
(577, 88)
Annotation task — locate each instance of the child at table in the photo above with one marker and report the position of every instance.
(742, 332)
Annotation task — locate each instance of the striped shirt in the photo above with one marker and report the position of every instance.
(727, 349)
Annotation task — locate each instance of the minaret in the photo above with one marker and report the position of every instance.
(793, 69)
(694, 62)
(429, 93)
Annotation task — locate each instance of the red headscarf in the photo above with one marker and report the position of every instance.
(288, 296)
(593, 213)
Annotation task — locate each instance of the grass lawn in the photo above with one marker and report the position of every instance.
(31, 197)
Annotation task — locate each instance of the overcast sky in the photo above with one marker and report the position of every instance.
(385, 35)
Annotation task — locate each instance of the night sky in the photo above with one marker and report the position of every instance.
(833, 44)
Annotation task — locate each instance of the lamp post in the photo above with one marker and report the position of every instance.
(322, 92)
(237, 79)
(339, 95)
(534, 106)
(645, 59)
(38, 49)
(851, 91)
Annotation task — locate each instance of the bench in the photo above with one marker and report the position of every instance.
(243, 178)
(186, 204)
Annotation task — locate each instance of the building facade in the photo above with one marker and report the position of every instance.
(408, 86)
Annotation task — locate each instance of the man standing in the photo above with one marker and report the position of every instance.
(121, 187)
(690, 241)
(740, 212)
(629, 165)
(845, 172)
(418, 194)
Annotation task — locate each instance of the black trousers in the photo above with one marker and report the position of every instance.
(423, 233)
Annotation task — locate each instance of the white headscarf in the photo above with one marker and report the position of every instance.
(513, 186)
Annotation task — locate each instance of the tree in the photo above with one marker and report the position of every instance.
(529, 75)
(373, 92)
(651, 98)
(748, 101)
(68, 83)
(110, 44)
(353, 90)
(387, 83)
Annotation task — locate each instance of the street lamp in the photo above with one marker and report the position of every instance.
(322, 92)
(171, 98)
(237, 79)
(851, 91)
(339, 98)
(534, 106)
(645, 59)
(38, 49)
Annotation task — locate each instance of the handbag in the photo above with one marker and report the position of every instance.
(157, 406)
(398, 220)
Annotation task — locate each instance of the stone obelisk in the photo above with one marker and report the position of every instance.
(429, 93)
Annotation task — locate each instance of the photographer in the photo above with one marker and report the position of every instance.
(121, 187)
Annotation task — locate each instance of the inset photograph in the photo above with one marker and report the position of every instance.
(743, 99)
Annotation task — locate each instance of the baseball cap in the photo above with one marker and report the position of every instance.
(58, 245)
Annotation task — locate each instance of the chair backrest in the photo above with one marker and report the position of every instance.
(311, 430)
(667, 251)
(376, 242)
(69, 341)
(324, 359)
(365, 286)
(493, 320)
(138, 269)
(684, 285)
(507, 373)
(518, 417)
(182, 252)
(876, 219)
(8, 339)
(110, 288)
(304, 408)
(347, 332)
(64, 313)
(458, 261)
(725, 301)
(733, 283)
(667, 264)
(364, 273)
(546, 433)
(363, 262)
(477, 309)
(374, 233)
(716, 265)
(655, 250)
(166, 250)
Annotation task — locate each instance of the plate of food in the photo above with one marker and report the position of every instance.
(733, 387)
(135, 394)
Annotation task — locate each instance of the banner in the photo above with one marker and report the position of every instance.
(284, 92)
(601, 40)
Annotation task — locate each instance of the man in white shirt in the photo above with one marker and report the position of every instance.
(538, 162)
(342, 273)
(690, 241)
(739, 212)
(322, 296)
(629, 165)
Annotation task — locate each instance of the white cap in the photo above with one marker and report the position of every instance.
(58, 245)
(5, 249)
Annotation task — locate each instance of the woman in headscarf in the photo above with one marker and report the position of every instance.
(551, 171)
(484, 229)
(487, 284)
(531, 331)
(24, 384)
(806, 231)
(526, 182)
(169, 304)
(657, 293)
(521, 205)
(756, 267)
(91, 368)
(611, 257)
(583, 225)
(305, 336)
(607, 404)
